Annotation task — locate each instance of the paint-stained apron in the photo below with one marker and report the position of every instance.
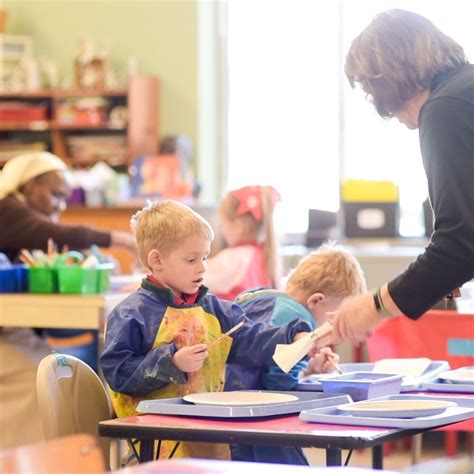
(187, 327)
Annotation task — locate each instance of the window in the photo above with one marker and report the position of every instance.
(293, 120)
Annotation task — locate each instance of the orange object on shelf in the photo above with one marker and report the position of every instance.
(14, 111)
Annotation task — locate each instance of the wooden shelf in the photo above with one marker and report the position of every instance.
(140, 99)
(33, 126)
(74, 126)
(62, 93)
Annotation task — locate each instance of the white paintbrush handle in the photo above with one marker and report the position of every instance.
(230, 331)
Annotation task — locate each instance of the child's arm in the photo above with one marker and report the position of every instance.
(273, 378)
(254, 343)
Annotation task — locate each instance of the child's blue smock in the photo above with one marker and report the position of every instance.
(274, 308)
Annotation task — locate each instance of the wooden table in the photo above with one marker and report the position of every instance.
(275, 431)
(57, 311)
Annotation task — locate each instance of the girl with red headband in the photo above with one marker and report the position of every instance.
(251, 258)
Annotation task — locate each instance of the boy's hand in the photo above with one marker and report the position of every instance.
(190, 358)
(323, 362)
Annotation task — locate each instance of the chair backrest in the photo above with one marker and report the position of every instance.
(71, 399)
(74, 454)
(439, 335)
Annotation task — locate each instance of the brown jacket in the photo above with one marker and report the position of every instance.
(24, 227)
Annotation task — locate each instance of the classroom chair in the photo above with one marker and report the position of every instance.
(75, 454)
(72, 399)
(438, 335)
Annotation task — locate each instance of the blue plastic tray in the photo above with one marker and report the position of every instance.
(332, 415)
(363, 385)
(306, 401)
(312, 383)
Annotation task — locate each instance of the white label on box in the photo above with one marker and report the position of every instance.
(371, 219)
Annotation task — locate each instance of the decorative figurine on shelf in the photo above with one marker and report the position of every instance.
(90, 69)
(49, 72)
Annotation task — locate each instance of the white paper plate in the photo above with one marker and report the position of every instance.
(396, 408)
(407, 367)
(458, 376)
(238, 398)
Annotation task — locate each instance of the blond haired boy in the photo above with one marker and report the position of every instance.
(157, 342)
(314, 289)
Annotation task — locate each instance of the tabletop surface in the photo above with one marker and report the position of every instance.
(278, 430)
(56, 310)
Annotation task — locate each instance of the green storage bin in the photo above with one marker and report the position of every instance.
(43, 280)
(74, 279)
(104, 271)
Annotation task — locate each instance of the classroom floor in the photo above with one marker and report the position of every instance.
(399, 459)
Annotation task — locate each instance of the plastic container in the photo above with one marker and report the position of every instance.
(14, 279)
(74, 279)
(42, 280)
(104, 271)
(363, 385)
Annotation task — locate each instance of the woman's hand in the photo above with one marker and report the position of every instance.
(352, 321)
(190, 358)
(323, 362)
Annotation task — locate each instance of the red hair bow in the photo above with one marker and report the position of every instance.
(250, 200)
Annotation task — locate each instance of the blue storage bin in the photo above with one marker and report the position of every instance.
(14, 279)
(363, 385)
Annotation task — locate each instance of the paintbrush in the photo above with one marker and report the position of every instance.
(228, 333)
(26, 257)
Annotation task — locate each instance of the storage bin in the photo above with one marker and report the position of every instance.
(371, 219)
(74, 279)
(370, 208)
(104, 270)
(363, 385)
(14, 279)
(42, 280)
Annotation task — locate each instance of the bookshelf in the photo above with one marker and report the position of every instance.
(82, 126)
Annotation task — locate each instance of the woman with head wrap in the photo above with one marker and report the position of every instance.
(33, 193)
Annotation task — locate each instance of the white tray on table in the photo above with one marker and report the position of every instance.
(304, 401)
(312, 382)
(333, 415)
(448, 382)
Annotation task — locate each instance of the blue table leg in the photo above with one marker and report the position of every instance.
(333, 457)
(146, 450)
(377, 457)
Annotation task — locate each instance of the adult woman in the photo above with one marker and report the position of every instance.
(412, 71)
(33, 192)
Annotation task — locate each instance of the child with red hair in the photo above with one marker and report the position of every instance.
(251, 258)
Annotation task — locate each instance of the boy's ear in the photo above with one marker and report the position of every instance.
(314, 299)
(154, 259)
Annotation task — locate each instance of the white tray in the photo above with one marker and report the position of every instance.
(332, 415)
(306, 401)
(312, 383)
(438, 385)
